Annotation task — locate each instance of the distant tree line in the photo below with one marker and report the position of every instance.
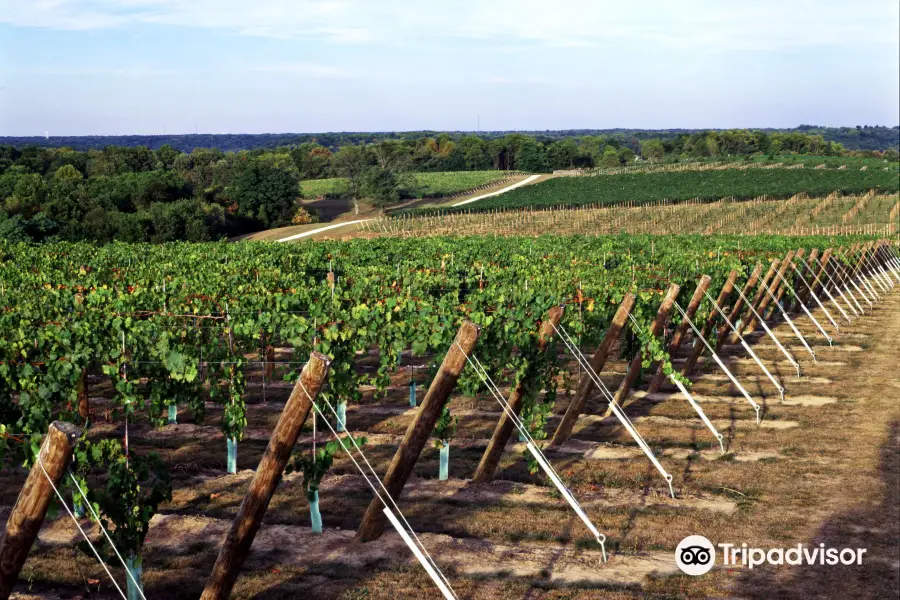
(163, 194)
(860, 137)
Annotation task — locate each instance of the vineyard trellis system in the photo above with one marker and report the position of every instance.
(196, 318)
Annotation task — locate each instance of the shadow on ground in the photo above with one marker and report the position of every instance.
(874, 526)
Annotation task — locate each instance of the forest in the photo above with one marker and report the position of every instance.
(860, 137)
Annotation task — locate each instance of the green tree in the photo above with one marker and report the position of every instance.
(67, 201)
(352, 162)
(652, 150)
(626, 155)
(561, 154)
(27, 196)
(166, 156)
(382, 186)
(530, 156)
(610, 158)
(312, 160)
(266, 188)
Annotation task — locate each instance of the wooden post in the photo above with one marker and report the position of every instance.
(31, 507)
(710, 323)
(787, 277)
(586, 385)
(804, 293)
(491, 458)
(675, 344)
(268, 475)
(757, 299)
(634, 369)
(84, 401)
(751, 321)
(418, 431)
(724, 330)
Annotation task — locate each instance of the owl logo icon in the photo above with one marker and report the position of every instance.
(695, 555)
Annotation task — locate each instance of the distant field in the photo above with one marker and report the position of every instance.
(641, 188)
(428, 185)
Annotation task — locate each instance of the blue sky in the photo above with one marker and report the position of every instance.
(73, 67)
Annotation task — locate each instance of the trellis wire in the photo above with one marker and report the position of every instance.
(617, 410)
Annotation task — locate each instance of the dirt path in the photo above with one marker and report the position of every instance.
(525, 181)
(297, 236)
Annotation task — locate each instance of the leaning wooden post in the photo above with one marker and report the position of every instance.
(31, 507)
(268, 475)
(757, 299)
(699, 346)
(813, 273)
(678, 337)
(752, 321)
(787, 276)
(724, 330)
(634, 369)
(586, 385)
(491, 458)
(418, 431)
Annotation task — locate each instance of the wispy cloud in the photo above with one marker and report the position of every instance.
(513, 80)
(99, 70)
(713, 25)
(314, 70)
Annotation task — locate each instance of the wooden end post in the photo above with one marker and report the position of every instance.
(586, 385)
(764, 298)
(739, 303)
(678, 338)
(787, 276)
(491, 458)
(31, 507)
(710, 323)
(813, 273)
(757, 299)
(418, 431)
(634, 369)
(268, 475)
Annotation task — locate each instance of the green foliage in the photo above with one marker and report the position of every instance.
(315, 466)
(176, 323)
(134, 488)
(444, 427)
(266, 188)
(420, 185)
(648, 187)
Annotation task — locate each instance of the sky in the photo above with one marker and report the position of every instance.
(115, 67)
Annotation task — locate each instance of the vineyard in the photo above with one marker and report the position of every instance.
(708, 184)
(181, 366)
(870, 213)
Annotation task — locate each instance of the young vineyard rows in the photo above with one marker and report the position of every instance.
(834, 214)
(548, 416)
(705, 184)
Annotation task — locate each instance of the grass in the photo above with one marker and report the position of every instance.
(428, 185)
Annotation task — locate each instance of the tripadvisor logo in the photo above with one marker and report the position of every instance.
(696, 555)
